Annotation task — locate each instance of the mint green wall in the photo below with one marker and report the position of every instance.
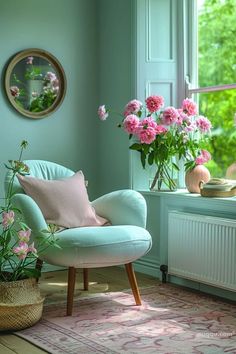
(116, 89)
(93, 41)
(67, 29)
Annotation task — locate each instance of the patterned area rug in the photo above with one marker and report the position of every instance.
(170, 321)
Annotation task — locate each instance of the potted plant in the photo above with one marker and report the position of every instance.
(20, 301)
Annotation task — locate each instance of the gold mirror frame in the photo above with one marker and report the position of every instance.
(54, 63)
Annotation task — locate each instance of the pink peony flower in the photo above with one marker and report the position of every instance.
(160, 129)
(200, 160)
(204, 157)
(7, 218)
(190, 127)
(24, 235)
(203, 124)
(21, 250)
(189, 107)
(183, 117)
(133, 107)
(131, 123)
(146, 135)
(148, 122)
(102, 112)
(170, 116)
(154, 103)
(15, 91)
(29, 60)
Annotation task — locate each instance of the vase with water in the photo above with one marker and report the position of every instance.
(165, 177)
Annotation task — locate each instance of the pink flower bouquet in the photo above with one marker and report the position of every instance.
(161, 134)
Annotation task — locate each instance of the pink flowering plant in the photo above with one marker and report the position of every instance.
(162, 134)
(17, 251)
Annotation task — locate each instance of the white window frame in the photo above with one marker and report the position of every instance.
(187, 62)
(190, 91)
(190, 62)
(191, 83)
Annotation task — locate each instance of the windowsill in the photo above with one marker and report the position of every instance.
(184, 193)
(169, 193)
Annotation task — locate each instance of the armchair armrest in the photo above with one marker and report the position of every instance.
(31, 213)
(123, 207)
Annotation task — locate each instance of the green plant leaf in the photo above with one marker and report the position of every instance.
(143, 159)
(176, 167)
(136, 146)
(31, 272)
(151, 158)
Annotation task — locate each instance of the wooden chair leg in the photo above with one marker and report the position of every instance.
(85, 275)
(70, 290)
(133, 283)
(38, 266)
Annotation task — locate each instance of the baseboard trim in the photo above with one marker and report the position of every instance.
(148, 266)
(225, 294)
(46, 268)
(51, 268)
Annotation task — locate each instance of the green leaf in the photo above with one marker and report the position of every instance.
(23, 225)
(45, 231)
(8, 167)
(189, 165)
(176, 167)
(14, 208)
(146, 148)
(139, 114)
(56, 245)
(136, 146)
(151, 158)
(8, 237)
(31, 273)
(143, 159)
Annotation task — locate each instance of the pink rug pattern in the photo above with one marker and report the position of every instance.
(171, 320)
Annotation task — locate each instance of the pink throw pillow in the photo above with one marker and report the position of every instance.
(63, 202)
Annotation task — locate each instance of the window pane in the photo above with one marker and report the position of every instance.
(216, 42)
(217, 65)
(219, 107)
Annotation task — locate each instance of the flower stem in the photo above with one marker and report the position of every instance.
(156, 177)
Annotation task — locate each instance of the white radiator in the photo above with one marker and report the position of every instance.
(202, 248)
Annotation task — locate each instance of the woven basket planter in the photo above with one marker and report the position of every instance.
(20, 304)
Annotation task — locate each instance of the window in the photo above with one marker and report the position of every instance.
(215, 78)
(193, 39)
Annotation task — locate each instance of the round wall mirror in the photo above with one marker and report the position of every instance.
(35, 83)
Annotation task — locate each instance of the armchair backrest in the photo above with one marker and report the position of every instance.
(40, 169)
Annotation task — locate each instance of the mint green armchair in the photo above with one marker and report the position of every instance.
(123, 242)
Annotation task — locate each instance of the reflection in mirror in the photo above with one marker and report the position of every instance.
(35, 83)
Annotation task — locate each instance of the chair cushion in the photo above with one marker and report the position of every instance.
(63, 202)
(92, 247)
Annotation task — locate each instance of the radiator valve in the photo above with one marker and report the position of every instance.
(164, 270)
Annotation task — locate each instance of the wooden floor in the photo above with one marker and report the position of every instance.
(53, 287)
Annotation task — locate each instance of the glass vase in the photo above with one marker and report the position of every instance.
(164, 179)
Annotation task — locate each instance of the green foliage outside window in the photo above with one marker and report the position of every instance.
(217, 66)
